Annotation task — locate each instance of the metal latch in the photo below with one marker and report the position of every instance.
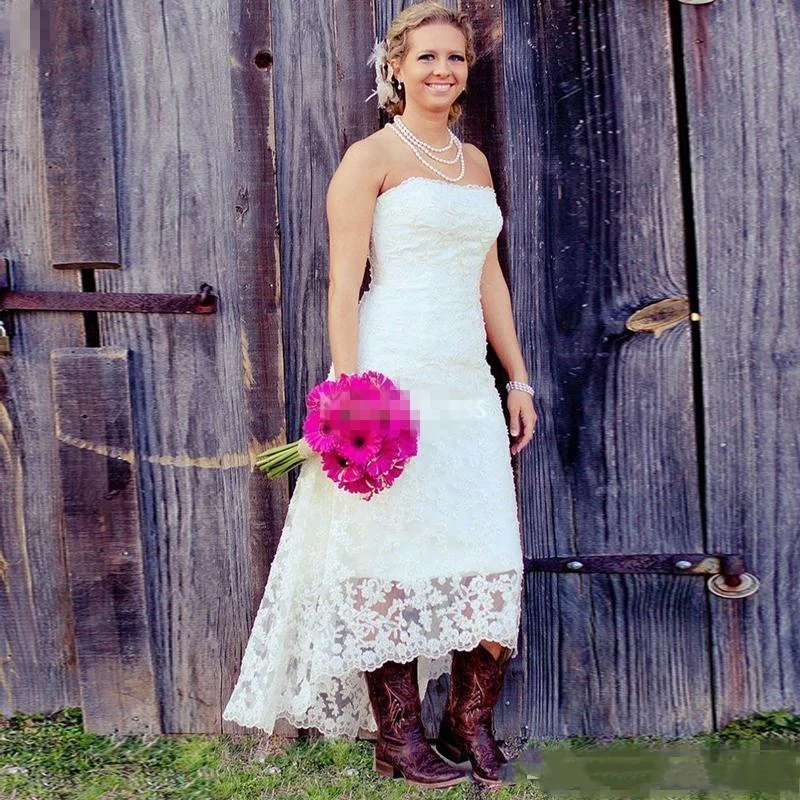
(202, 302)
(727, 570)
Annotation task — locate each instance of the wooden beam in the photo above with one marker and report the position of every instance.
(260, 317)
(99, 486)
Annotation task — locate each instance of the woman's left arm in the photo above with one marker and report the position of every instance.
(502, 336)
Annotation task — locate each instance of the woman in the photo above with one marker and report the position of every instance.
(367, 601)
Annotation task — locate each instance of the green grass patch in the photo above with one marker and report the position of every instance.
(44, 757)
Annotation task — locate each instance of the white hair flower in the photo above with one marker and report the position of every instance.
(385, 89)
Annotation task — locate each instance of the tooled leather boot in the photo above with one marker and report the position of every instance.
(402, 751)
(466, 732)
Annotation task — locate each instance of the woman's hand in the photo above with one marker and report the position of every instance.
(522, 418)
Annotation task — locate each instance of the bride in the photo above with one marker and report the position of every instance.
(367, 601)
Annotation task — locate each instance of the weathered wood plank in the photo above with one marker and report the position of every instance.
(91, 392)
(37, 660)
(594, 212)
(332, 101)
(78, 140)
(308, 152)
(743, 112)
(178, 217)
(353, 39)
(258, 268)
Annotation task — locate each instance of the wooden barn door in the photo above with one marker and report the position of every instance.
(741, 61)
(135, 534)
(638, 157)
(597, 233)
(650, 158)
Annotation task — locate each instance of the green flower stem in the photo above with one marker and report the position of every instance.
(278, 460)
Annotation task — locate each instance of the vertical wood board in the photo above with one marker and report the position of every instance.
(594, 213)
(741, 61)
(78, 136)
(37, 658)
(258, 270)
(93, 422)
(171, 95)
(308, 150)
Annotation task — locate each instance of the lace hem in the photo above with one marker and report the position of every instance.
(307, 665)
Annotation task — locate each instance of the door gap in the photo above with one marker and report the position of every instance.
(91, 323)
(692, 282)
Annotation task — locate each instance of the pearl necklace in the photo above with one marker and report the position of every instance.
(428, 149)
(412, 144)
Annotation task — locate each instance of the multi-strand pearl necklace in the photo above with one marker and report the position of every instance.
(418, 147)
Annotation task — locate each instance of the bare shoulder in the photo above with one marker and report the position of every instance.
(478, 161)
(361, 171)
(476, 153)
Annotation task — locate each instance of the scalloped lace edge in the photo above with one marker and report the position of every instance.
(346, 731)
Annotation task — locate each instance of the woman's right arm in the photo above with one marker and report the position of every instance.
(350, 204)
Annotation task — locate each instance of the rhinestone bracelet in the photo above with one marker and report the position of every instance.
(525, 387)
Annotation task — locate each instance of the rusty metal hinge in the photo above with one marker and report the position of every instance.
(202, 302)
(727, 570)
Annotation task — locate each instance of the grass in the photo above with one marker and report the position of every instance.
(44, 757)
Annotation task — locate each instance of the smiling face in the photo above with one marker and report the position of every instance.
(434, 70)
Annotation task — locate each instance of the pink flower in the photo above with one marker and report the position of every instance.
(363, 428)
(319, 432)
(362, 486)
(340, 469)
(360, 444)
(384, 459)
(407, 441)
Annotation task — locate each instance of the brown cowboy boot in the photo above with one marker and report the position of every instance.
(402, 751)
(466, 733)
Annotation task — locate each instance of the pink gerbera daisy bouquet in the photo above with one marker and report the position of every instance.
(362, 427)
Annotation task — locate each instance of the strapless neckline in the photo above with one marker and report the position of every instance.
(434, 180)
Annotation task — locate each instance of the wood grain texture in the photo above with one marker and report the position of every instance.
(307, 134)
(741, 61)
(171, 100)
(353, 38)
(78, 139)
(594, 227)
(258, 274)
(102, 543)
(37, 658)
(320, 82)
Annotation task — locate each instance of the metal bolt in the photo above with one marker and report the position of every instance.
(574, 565)
(683, 564)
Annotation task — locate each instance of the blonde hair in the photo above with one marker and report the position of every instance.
(428, 12)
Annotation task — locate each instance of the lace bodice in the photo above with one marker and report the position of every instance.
(432, 236)
(427, 250)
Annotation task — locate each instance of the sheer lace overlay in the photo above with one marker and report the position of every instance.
(434, 563)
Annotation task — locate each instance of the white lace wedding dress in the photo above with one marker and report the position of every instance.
(433, 563)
